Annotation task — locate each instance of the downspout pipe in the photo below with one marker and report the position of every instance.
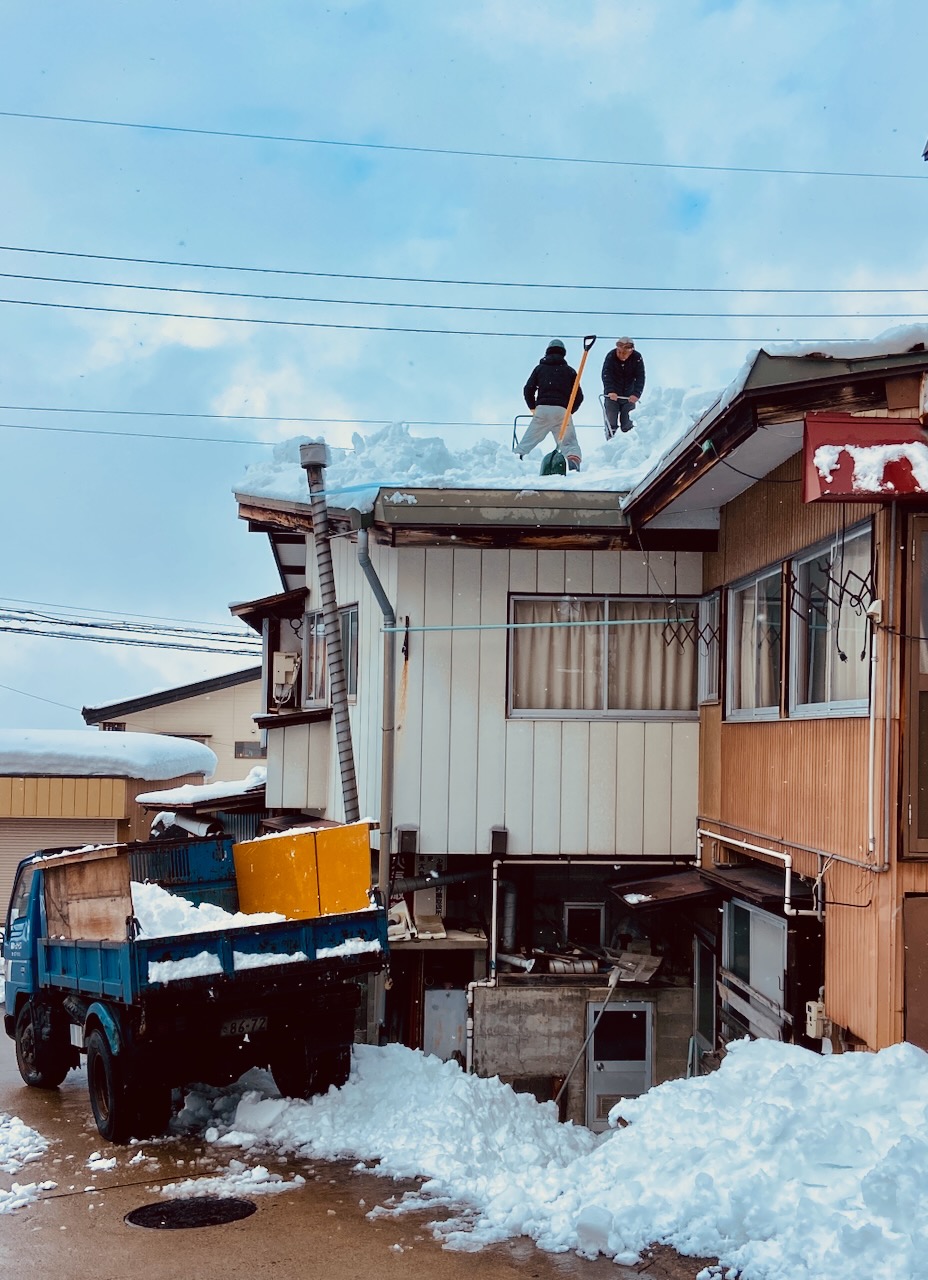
(388, 714)
(313, 460)
(483, 982)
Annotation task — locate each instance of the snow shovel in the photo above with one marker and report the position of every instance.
(554, 463)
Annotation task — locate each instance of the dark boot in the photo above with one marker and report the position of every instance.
(573, 464)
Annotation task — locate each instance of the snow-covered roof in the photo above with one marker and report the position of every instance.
(88, 753)
(189, 794)
(172, 693)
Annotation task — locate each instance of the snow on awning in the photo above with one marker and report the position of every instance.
(848, 458)
(670, 887)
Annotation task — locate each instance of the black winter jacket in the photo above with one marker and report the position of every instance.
(551, 382)
(624, 377)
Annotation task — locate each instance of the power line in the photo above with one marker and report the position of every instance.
(370, 328)
(492, 284)
(450, 306)
(136, 642)
(23, 694)
(120, 614)
(455, 151)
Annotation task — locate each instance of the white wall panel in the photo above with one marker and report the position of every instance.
(575, 786)
(490, 697)
(603, 795)
(629, 786)
(465, 681)
(547, 785)
(657, 786)
(436, 704)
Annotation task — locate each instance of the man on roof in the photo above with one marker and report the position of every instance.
(623, 383)
(547, 394)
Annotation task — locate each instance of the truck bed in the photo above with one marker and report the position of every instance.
(125, 971)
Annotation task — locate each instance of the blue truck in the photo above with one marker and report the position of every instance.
(82, 982)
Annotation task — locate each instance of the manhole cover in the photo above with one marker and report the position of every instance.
(199, 1211)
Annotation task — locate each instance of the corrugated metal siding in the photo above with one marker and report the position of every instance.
(21, 836)
(804, 781)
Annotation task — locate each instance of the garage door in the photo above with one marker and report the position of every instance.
(20, 837)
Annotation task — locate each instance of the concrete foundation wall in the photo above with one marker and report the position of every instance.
(529, 1031)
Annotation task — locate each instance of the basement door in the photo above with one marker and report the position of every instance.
(619, 1059)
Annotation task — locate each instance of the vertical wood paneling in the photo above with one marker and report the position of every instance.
(710, 759)
(629, 786)
(658, 786)
(491, 698)
(520, 776)
(547, 787)
(436, 707)
(576, 798)
(410, 603)
(465, 681)
(551, 571)
(684, 765)
(603, 791)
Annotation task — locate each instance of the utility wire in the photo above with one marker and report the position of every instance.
(23, 694)
(137, 642)
(373, 328)
(489, 284)
(237, 417)
(450, 306)
(120, 614)
(455, 151)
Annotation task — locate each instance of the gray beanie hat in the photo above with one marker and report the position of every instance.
(556, 344)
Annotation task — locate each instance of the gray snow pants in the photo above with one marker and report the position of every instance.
(548, 417)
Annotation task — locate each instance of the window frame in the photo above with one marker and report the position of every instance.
(798, 627)
(313, 626)
(603, 712)
(768, 711)
(709, 649)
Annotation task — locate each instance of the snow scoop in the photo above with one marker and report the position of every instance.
(610, 435)
(554, 463)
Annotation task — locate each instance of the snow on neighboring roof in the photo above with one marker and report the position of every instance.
(88, 753)
(395, 460)
(178, 797)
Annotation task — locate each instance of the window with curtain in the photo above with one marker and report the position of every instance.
(315, 661)
(755, 628)
(831, 589)
(612, 656)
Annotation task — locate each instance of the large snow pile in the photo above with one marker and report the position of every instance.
(189, 793)
(394, 459)
(163, 915)
(782, 1163)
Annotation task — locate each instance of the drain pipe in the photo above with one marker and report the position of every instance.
(482, 982)
(313, 460)
(388, 713)
(785, 858)
(890, 651)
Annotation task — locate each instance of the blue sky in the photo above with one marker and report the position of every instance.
(143, 526)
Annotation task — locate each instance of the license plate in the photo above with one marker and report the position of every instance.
(244, 1026)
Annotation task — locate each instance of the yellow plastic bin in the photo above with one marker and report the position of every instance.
(343, 860)
(278, 873)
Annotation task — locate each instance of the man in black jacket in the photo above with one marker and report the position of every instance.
(623, 383)
(547, 394)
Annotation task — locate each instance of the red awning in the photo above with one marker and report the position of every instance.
(850, 459)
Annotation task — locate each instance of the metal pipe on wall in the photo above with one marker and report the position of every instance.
(388, 713)
(313, 460)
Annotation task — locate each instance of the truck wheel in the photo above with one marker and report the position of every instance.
(43, 1064)
(299, 1073)
(124, 1103)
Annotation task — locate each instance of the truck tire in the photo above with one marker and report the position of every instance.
(43, 1062)
(300, 1073)
(124, 1103)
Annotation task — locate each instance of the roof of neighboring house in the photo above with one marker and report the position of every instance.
(211, 796)
(756, 425)
(164, 697)
(282, 605)
(83, 753)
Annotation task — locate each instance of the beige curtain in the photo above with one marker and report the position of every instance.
(850, 679)
(557, 668)
(652, 662)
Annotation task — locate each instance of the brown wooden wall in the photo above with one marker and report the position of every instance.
(770, 521)
(35, 797)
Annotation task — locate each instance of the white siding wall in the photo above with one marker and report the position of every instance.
(560, 787)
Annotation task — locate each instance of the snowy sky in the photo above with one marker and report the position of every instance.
(783, 1163)
(673, 94)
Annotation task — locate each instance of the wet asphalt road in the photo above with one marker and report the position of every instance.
(318, 1231)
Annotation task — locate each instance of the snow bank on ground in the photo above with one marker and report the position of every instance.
(19, 1145)
(782, 1163)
